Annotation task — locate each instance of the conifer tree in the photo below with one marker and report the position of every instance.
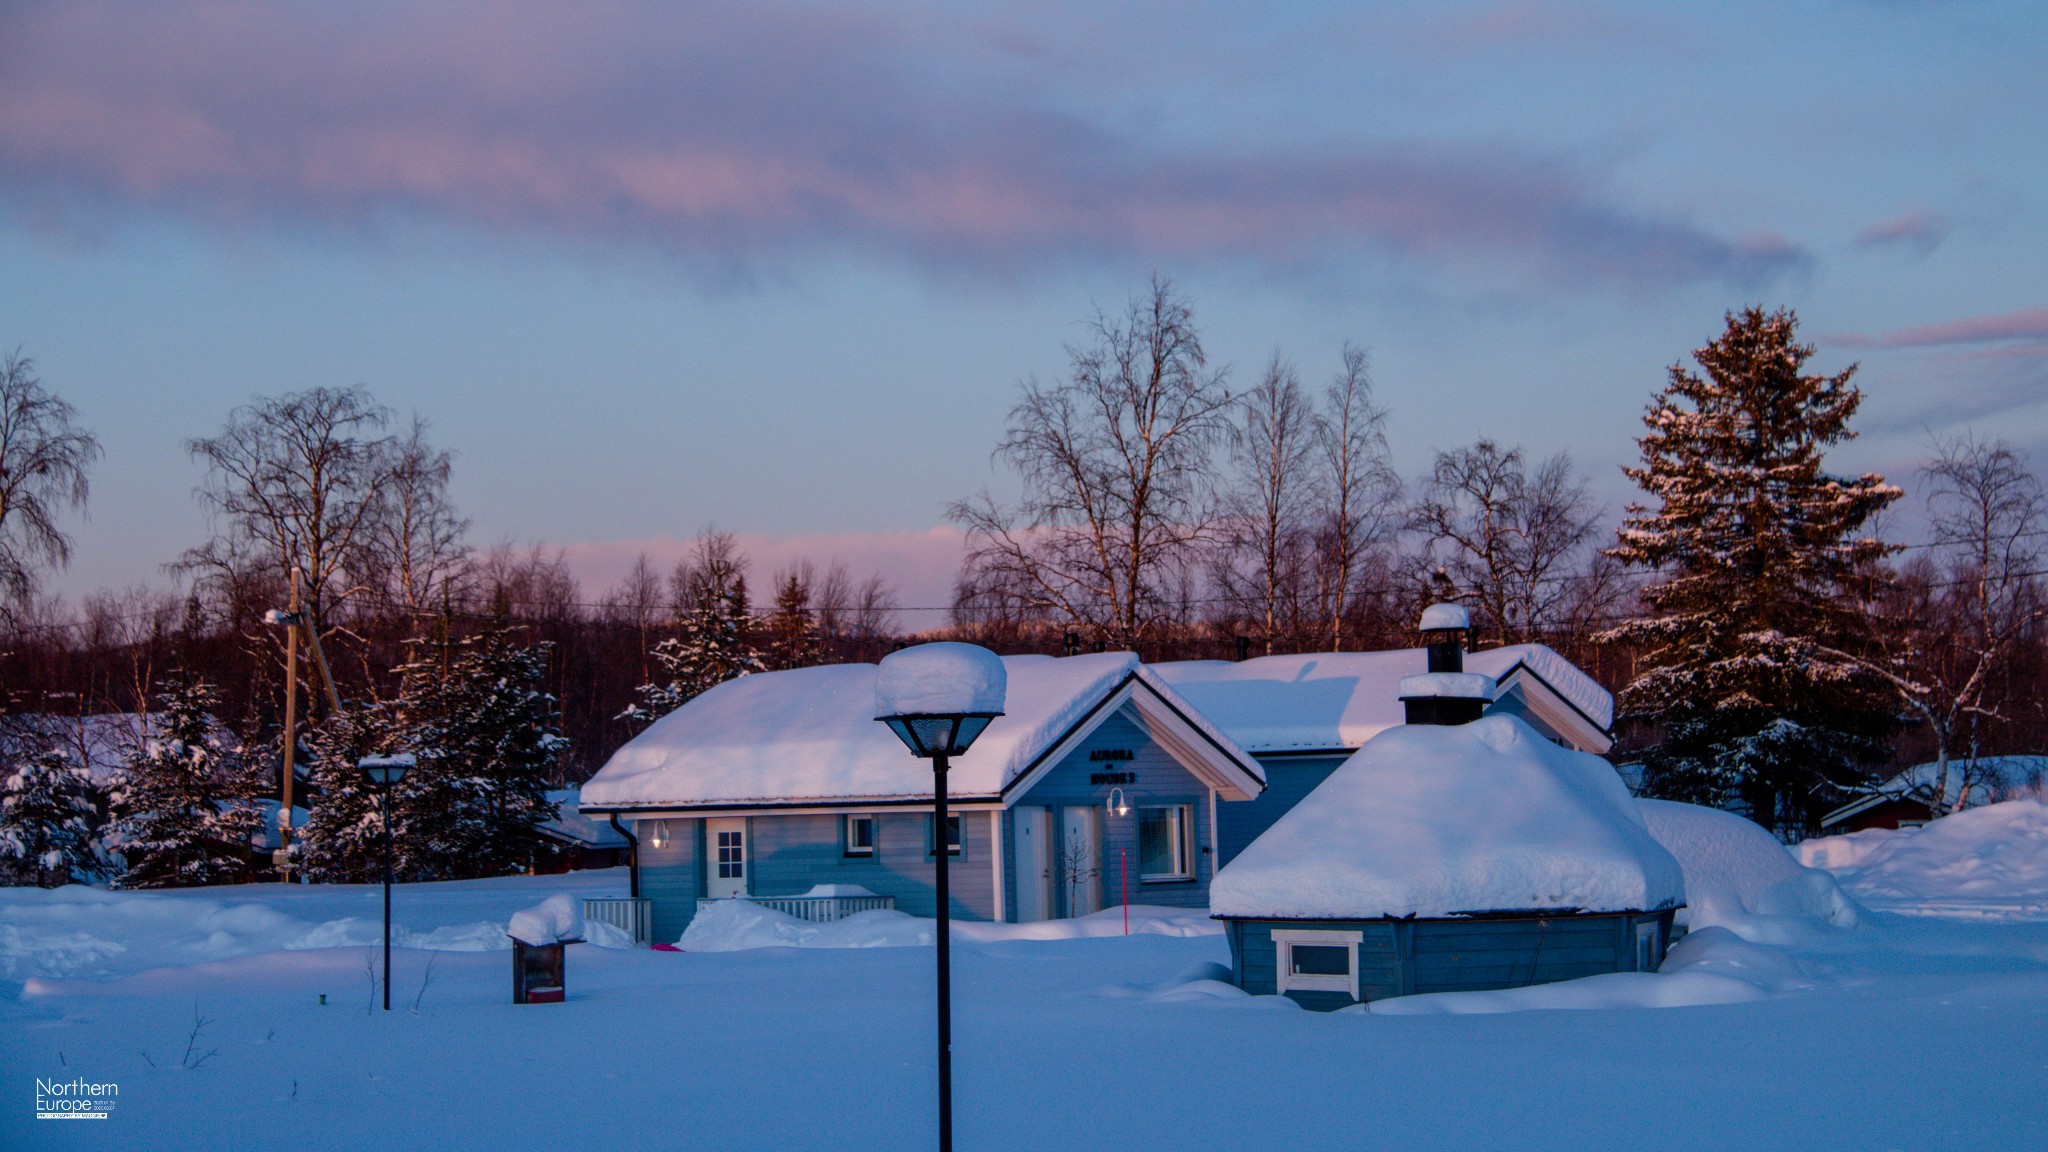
(1748, 668)
(716, 644)
(486, 740)
(343, 841)
(183, 806)
(51, 814)
(793, 627)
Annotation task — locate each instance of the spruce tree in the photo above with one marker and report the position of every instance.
(184, 805)
(1750, 650)
(343, 841)
(716, 644)
(475, 715)
(51, 814)
(792, 627)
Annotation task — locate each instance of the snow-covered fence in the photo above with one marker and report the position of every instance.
(633, 916)
(818, 909)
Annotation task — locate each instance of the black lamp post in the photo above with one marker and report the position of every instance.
(384, 771)
(936, 736)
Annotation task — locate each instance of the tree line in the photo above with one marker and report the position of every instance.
(1771, 649)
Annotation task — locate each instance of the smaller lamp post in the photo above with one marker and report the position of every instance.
(384, 771)
(937, 698)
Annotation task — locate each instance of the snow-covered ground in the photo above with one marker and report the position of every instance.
(1771, 1027)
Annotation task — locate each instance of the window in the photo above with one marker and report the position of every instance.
(732, 855)
(953, 842)
(860, 836)
(1317, 960)
(1165, 836)
(1646, 947)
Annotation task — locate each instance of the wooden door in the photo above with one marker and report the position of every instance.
(726, 857)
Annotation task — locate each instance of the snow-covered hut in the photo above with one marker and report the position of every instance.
(766, 786)
(1449, 854)
(1303, 715)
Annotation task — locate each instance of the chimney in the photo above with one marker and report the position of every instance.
(1446, 694)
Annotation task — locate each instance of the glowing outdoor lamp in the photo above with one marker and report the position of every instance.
(1118, 804)
(384, 771)
(937, 698)
(660, 837)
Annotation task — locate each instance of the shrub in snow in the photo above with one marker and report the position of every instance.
(940, 678)
(184, 806)
(1735, 871)
(1431, 820)
(51, 813)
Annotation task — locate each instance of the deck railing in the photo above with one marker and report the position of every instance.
(635, 917)
(817, 909)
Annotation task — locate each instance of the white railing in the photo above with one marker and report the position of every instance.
(631, 915)
(817, 909)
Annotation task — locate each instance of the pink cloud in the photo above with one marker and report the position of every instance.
(1921, 232)
(2023, 325)
(734, 133)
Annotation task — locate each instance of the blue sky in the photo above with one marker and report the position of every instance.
(652, 266)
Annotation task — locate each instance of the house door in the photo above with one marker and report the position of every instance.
(725, 842)
(1080, 860)
(1034, 863)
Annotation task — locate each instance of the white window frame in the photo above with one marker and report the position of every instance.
(956, 851)
(1183, 848)
(846, 831)
(1284, 940)
(1646, 946)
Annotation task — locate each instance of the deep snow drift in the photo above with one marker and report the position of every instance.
(1737, 875)
(1438, 821)
(1990, 861)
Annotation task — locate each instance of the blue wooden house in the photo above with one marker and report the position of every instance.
(1301, 716)
(1100, 777)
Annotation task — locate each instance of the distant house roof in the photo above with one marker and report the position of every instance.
(1336, 701)
(571, 825)
(1995, 778)
(808, 737)
(1455, 820)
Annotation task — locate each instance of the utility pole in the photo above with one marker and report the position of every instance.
(291, 737)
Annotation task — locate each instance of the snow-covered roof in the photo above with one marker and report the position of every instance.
(1449, 820)
(809, 736)
(1992, 779)
(1339, 700)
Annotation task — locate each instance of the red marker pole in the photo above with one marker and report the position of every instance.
(1123, 875)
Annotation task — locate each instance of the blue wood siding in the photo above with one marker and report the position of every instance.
(1288, 779)
(794, 852)
(1405, 957)
(669, 876)
(1158, 780)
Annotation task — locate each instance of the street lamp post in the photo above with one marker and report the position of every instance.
(384, 771)
(937, 698)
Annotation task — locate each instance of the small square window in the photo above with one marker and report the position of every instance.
(1317, 960)
(1164, 844)
(860, 835)
(1646, 947)
(953, 841)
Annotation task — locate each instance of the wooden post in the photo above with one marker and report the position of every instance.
(291, 736)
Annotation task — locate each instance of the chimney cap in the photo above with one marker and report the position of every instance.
(1446, 618)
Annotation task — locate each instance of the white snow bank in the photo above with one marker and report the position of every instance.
(1711, 966)
(1443, 820)
(1457, 685)
(78, 931)
(1331, 700)
(1989, 861)
(1439, 617)
(551, 921)
(735, 925)
(944, 677)
(1735, 872)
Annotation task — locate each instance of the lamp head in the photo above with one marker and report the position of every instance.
(385, 771)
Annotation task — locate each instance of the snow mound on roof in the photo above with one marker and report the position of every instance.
(945, 677)
(1444, 821)
(810, 734)
(1988, 861)
(1735, 872)
(1438, 617)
